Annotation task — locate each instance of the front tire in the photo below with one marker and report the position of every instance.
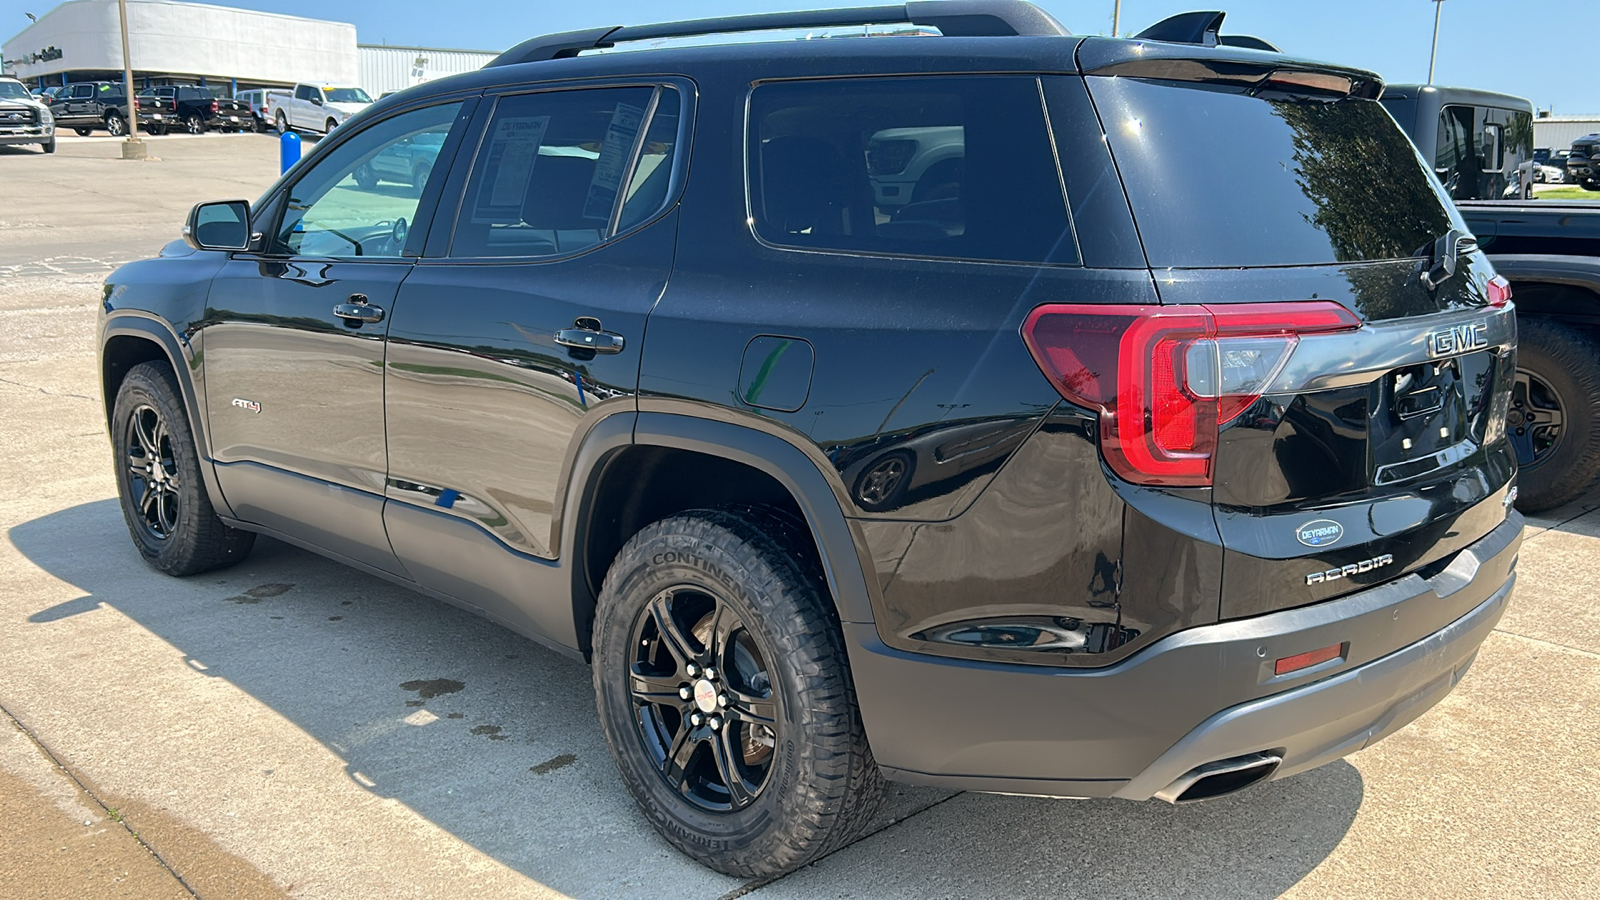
(725, 696)
(83, 132)
(164, 500)
(1554, 420)
(50, 146)
(329, 126)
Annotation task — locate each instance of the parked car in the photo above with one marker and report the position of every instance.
(1551, 254)
(257, 101)
(1583, 162)
(409, 161)
(23, 119)
(91, 105)
(1232, 493)
(315, 108)
(193, 108)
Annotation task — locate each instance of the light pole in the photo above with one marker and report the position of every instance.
(1116, 17)
(1438, 8)
(132, 148)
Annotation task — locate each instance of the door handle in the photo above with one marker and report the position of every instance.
(585, 339)
(359, 310)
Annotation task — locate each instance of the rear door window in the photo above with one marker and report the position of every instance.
(1221, 178)
(940, 166)
(560, 171)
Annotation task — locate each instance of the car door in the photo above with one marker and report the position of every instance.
(77, 105)
(293, 345)
(521, 328)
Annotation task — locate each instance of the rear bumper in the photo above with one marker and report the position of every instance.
(1207, 694)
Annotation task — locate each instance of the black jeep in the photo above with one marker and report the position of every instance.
(1222, 489)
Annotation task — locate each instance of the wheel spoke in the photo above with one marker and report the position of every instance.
(166, 512)
(1545, 418)
(677, 643)
(753, 709)
(136, 466)
(148, 501)
(1522, 445)
(727, 757)
(676, 764)
(723, 623)
(658, 689)
(144, 433)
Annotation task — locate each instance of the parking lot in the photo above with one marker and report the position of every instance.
(290, 727)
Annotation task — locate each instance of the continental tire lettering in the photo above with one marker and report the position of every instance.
(682, 558)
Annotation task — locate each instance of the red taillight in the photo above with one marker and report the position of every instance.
(1499, 291)
(214, 107)
(1306, 660)
(1164, 379)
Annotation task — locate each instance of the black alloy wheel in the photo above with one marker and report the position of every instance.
(159, 483)
(1553, 420)
(1535, 420)
(152, 472)
(703, 701)
(725, 695)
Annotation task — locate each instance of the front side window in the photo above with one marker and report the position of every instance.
(339, 208)
(304, 93)
(346, 95)
(561, 171)
(953, 167)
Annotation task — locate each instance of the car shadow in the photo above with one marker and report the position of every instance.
(493, 738)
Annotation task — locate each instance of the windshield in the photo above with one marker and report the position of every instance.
(346, 95)
(12, 90)
(1297, 181)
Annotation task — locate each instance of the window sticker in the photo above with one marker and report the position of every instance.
(512, 152)
(614, 153)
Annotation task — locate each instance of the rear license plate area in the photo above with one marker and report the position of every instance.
(1428, 416)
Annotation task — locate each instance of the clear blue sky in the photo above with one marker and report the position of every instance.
(1538, 51)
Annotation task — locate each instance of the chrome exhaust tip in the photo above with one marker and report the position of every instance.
(1220, 778)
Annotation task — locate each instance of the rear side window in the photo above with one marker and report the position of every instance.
(561, 171)
(1479, 149)
(949, 167)
(1219, 178)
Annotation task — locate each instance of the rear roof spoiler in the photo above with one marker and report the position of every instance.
(1203, 29)
(953, 18)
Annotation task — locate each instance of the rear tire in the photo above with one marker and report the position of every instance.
(193, 124)
(163, 497)
(732, 597)
(116, 125)
(1558, 369)
(283, 123)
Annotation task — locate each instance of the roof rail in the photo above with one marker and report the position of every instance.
(1203, 28)
(953, 18)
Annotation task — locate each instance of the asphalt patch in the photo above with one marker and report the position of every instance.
(432, 687)
(554, 763)
(492, 732)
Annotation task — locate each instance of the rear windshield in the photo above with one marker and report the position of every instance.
(1219, 178)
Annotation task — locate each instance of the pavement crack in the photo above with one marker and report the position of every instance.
(757, 884)
(41, 390)
(1578, 650)
(110, 814)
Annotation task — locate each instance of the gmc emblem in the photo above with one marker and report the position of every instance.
(1460, 339)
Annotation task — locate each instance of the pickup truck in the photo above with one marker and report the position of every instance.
(1550, 252)
(194, 109)
(315, 108)
(90, 105)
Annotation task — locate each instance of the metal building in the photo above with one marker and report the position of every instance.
(1558, 132)
(387, 68)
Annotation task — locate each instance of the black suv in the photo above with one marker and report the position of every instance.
(1207, 479)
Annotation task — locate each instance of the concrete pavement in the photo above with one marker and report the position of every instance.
(291, 727)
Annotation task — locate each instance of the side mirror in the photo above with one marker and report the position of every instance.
(223, 225)
(317, 99)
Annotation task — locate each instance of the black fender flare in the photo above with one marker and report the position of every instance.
(845, 561)
(182, 360)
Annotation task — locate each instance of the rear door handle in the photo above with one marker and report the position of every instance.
(359, 310)
(584, 339)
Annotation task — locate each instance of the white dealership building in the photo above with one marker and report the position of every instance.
(173, 42)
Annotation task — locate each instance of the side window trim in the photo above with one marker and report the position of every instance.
(633, 162)
(437, 249)
(428, 205)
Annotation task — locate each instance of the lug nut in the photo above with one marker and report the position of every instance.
(711, 674)
(722, 700)
(684, 693)
(692, 669)
(716, 723)
(696, 720)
